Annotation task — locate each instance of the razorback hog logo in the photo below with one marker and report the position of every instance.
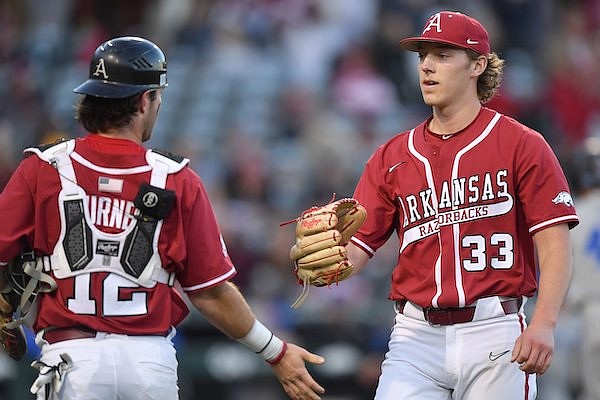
(565, 198)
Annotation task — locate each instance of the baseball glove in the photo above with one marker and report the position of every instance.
(12, 337)
(322, 232)
(24, 279)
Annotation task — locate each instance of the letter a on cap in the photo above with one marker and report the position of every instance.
(434, 21)
(101, 69)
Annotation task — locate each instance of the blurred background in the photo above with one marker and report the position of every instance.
(279, 103)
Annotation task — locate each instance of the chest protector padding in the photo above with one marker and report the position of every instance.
(82, 247)
(138, 247)
(77, 242)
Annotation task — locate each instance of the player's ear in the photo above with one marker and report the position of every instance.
(145, 99)
(479, 65)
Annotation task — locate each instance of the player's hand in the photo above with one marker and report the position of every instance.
(534, 349)
(293, 375)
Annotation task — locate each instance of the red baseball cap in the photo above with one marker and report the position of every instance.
(454, 29)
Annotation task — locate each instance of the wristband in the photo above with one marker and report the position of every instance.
(262, 341)
(280, 356)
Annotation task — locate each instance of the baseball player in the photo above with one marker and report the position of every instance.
(115, 226)
(584, 295)
(478, 202)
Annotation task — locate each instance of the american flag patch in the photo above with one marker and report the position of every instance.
(110, 185)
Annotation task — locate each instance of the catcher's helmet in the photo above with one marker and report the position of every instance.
(125, 66)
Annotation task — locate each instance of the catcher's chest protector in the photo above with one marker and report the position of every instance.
(82, 248)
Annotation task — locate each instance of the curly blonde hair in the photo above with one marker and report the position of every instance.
(489, 81)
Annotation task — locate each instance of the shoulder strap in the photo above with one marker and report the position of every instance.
(57, 155)
(170, 162)
(47, 151)
(175, 157)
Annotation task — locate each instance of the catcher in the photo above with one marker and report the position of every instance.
(120, 225)
(320, 255)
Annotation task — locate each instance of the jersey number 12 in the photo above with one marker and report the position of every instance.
(112, 305)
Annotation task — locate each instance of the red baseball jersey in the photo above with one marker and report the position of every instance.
(190, 243)
(464, 209)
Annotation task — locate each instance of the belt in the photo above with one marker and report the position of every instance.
(55, 335)
(451, 316)
(60, 334)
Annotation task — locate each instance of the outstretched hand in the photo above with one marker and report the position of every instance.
(293, 375)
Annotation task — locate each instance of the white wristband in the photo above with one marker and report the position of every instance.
(262, 341)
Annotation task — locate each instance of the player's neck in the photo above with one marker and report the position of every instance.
(121, 135)
(133, 132)
(454, 118)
